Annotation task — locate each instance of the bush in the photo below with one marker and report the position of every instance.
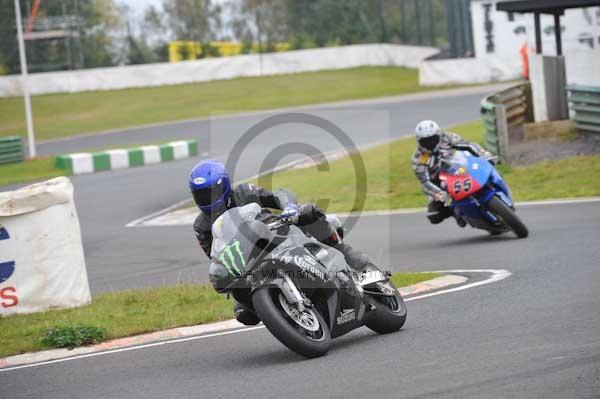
(208, 50)
(72, 336)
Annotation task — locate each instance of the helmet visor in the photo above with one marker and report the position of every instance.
(208, 195)
(430, 142)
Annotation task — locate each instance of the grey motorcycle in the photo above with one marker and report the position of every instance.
(303, 291)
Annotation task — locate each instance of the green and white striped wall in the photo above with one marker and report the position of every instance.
(88, 162)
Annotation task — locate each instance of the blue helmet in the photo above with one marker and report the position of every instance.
(210, 185)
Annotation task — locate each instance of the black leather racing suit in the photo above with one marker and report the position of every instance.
(426, 166)
(311, 220)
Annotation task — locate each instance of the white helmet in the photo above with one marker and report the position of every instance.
(428, 135)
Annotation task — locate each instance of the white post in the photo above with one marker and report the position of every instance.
(24, 85)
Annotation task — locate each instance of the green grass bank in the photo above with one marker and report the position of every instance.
(63, 115)
(391, 183)
(131, 312)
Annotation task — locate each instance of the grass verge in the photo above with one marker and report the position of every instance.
(30, 170)
(124, 313)
(406, 279)
(391, 183)
(62, 115)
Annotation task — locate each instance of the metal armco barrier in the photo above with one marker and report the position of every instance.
(503, 114)
(11, 149)
(585, 102)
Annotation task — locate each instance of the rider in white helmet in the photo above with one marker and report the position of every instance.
(426, 164)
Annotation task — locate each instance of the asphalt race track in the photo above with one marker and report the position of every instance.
(119, 257)
(532, 335)
(535, 334)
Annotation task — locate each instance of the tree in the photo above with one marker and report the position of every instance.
(261, 21)
(98, 23)
(145, 40)
(196, 20)
(153, 26)
(102, 30)
(155, 34)
(333, 22)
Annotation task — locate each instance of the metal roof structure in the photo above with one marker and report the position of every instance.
(544, 6)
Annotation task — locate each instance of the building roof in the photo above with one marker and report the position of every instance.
(544, 6)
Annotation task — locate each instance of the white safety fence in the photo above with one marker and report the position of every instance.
(149, 75)
(467, 71)
(581, 68)
(42, 264)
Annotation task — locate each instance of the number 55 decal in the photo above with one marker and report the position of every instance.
(464, 185)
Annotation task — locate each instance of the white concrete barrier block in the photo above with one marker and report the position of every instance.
(151, 154)
(209, 69)
(467, 71)
(180, 149)
(119, 159)
(82, 163)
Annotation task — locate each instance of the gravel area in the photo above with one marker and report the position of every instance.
(528, 152)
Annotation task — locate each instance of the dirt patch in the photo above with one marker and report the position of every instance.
(528, 152)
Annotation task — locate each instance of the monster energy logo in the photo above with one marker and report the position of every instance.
(228, 258)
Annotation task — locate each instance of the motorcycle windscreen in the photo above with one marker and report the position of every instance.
(233, 242)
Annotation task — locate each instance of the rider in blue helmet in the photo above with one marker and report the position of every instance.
(211, 188)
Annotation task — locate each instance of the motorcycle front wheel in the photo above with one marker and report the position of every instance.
(304, 332)
(508, 216)
(390, 313)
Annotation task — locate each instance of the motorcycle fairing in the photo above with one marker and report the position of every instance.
(494, 187)
(285, 258)
(338, 289)
(465, 174)
(340, 304)
(479, 168)
(472, 181)
(501, 189)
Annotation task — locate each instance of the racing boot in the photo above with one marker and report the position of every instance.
(245, 315)
(460, 221)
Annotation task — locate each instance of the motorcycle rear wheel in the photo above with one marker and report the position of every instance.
(509, 216)
(310, 341)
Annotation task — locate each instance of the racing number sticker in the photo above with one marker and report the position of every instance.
(464, 185)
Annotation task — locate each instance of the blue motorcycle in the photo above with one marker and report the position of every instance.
(478, 193)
